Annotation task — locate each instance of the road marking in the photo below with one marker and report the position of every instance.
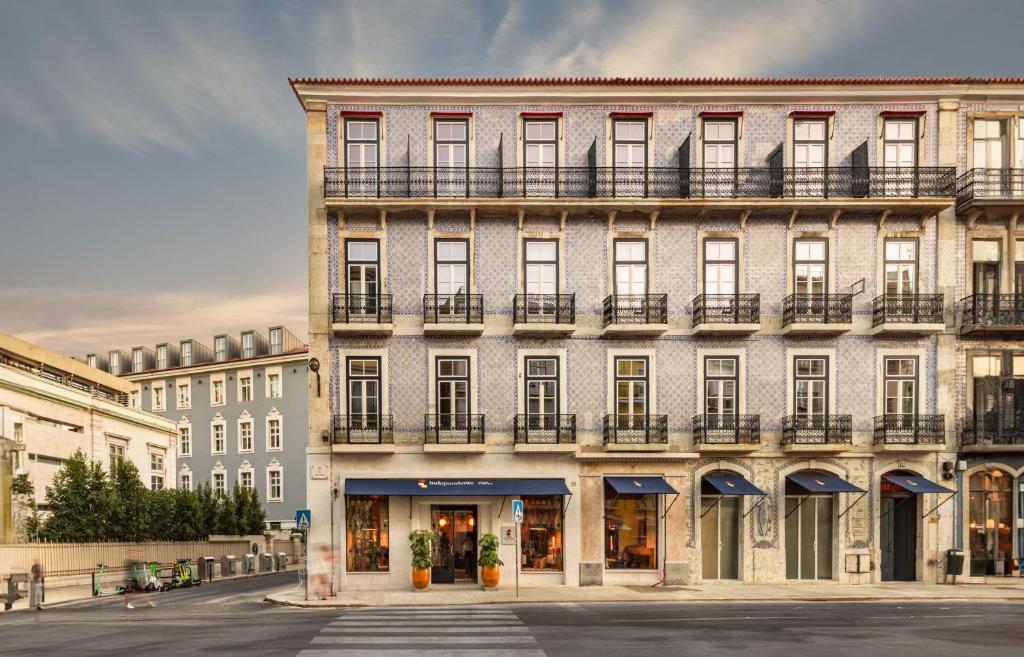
(425, 652)
(423, 623)
(436, 619)
(421, 639)
(399, 628)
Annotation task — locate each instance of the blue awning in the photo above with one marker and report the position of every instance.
(478, 487)
(823, 483)
(728, 483)
(917, 485)
(640, 485)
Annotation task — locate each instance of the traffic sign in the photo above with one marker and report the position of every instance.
(517, 510)
(302, 518)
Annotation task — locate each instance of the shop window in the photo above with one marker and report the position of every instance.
(541, 533)
(631, 530)
(366, 534)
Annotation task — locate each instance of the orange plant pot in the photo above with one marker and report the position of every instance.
(421, 577)
(490, 575)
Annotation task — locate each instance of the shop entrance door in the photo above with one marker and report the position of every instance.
(455, 543)
(810, 534)
(899, 538)
(719, 536)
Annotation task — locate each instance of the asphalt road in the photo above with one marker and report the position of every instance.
(230, 618)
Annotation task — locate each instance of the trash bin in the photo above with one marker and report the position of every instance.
(954, 563)
(205, 568)
(266, 563)
(282, 561)
(229, 565)
(13, 588)
(248, 564)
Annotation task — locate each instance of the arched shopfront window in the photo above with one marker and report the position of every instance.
(990, 523)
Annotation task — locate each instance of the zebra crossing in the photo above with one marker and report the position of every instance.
(480, 631)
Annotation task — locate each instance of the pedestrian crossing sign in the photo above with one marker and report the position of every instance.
(517, 510)
(302, 518)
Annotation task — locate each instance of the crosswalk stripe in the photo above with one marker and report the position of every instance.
(436, 619)
(426, 652)
(432, 612)
(480, 629)
(420, 639)
(423, 623)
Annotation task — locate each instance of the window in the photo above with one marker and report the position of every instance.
(161, 357)
(452, 267)
(245, 388)
(721, 385)
(217, 438)
(541, 533)
(810, 152)
(810, 391)
(631, 530)
(631, 398)
(90, 360)
(451, 145)
(186, 353)
(630, 267)
(219, 485)
(274, 433)
(185, 441)
(220, 348)
(245, 436)
(363, 392)
(216, 392)
(19, 432)
(629, 150)
(900, 143)
(184, 395)
(362, 156)
(990, 144)
(116, 451)
(720, 266)
(366, 534)
(159, 390)
(540, 267)
(245, 479)
(156, 461)
(248, 344)
(453, 393)
(810, 266)
(115, 362)
(274, 484)
(137, 360)
(901, 389)
(186, 481)
(986, 256)
(156, 482)
(540, 156)
(362, 276)
(542, 393)
(720, 148)
(135, 399)
(900, 266)
(276, 341)
(273, 385)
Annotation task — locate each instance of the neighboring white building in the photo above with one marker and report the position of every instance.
(52, 405)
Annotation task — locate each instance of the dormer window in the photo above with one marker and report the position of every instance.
(248, 345)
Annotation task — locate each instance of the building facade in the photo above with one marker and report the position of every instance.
(241, 410)
(52, 406)
(703, 330)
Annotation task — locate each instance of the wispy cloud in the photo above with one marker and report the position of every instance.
(77, 320)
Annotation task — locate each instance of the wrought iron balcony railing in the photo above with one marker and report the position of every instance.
(636, 309)
(817, 429)
(544, 308)
(992, 429)
(817, 309)
(907, 309)
(639, 182)
(726, 309)
(995, 184)
(909, 429)
(712, 429)
(993, 310)
(453, 308)
(361, 309)
(545, 429)
(363, 429)
(453, 429)
(633, 429)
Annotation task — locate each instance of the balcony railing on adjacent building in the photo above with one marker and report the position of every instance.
(992, 429)
(817, 430)
(639, 182)
(544, 308)
(727, 309)
(453, 308)
(545, 429)
(990, 184)
(712, 429)
(361, 309)
(909, 429)
(995, 310)
(453, 429)
(363, 429)
(817, 309)
(635, 309)
(633, 429)
(907, 309)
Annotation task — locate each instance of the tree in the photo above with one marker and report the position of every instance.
(26, 513)
(160, 521)
(227, 521)
(79, 502)
(188, 514)
(256, 518)
(128, 517)
(208, 510)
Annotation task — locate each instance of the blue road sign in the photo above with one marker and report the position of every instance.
(302, 518)
(517, 510)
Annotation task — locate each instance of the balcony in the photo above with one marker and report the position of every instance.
(633, 315)
(362, 433)
(453, 432)
(726, 433)
(636, 433)
(547, 432)
(903, 432)
(817, 314)
(453, 314)
(992, 313)
(361, 314)
(907, 314)
(680, 182)
(544, 315)
(817, 433)
(726, 314)
(990, 433)
(981, 188)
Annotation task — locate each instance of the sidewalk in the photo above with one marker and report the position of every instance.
(1011, 591)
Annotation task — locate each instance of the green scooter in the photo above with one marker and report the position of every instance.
(97, 583)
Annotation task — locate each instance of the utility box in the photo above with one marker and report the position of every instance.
(229, 565)
(248, 564)
(282, 561)
(266, 563)
(858, 563)
(205, 567)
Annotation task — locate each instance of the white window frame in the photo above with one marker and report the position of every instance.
(185, 477)
(239, 377)
(188, 429)
(275, 415)
(272, 372)
(246, 468)
(922, 371)
(185, 384)
(120, 447)
(215, 379)
(161, 387)
(156, 481)
(218, 422)
(246, 419)
(279, 469)
(218, 469)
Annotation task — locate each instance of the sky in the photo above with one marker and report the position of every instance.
(152, 155)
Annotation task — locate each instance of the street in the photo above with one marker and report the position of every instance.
(231, 618)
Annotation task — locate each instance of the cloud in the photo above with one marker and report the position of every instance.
(78, 320)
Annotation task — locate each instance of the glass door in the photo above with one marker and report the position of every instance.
(900, 157)
(363, 396)
(362, 163)
(540, 151)
(541, 265)
(990, 524)
(809, 536)
(630, 153)
(455, 540)
(719, 536)
(810, 394)
(451, 166)
(451, 277)
(631, 393)
(720, 158)
(362, 280)
(452, 398)
(720, 280)
(541, 398)
(810, 155)
(720, 383)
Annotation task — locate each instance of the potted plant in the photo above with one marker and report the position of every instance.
(421, 541)
(489, 561)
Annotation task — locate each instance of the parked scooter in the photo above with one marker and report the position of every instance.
(182, 576)
(97, 583)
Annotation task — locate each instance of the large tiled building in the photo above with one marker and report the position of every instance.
(704, 329)
(240, 407)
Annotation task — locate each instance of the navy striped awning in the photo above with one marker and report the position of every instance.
(917, 485)
(478, 487)
(823, 483)
(640, 485)
(728, 483)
